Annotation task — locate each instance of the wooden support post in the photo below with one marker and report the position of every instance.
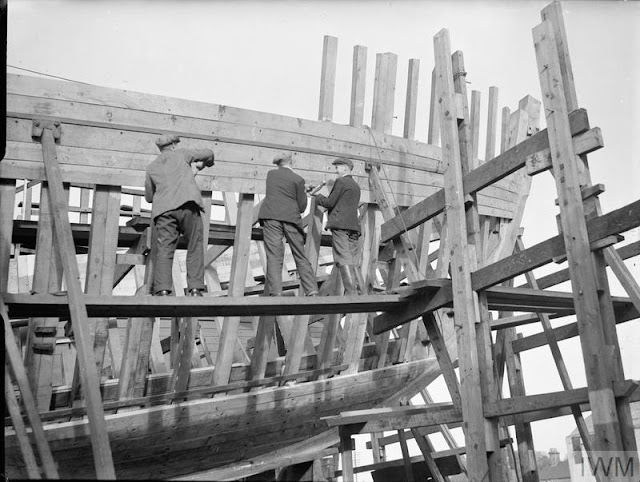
(7, 206)
(347, 447)
(328, 78)
(475, 127)
(358, 83)
(465, 311)
(138, 338)
(504, 129)
(382, 118)
(103, 241)
(492, 122)
(47, 278)
(78, 311)
(406, 458)
(489, 389)
(596, 351)
(433, 136)
(239, 264)
(411, 104)
(490, 150)
(14, 359)
(553, 13)
(85, 193)
(331, 325)
(18, 425)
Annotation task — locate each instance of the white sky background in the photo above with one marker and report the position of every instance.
(267, 56)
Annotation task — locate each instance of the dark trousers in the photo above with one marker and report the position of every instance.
(185, 220)
(345, 247)
(273, 233)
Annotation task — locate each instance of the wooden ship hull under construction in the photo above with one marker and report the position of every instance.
(172, 440)
(115, 383)
(156, 431)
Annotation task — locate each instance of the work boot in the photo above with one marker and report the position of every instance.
(195, 292)
(347, 280)
(163, 293)
(359, 280)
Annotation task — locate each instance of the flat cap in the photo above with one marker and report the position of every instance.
(281, 157)
(209, 160)
(343, 160)
(166, 139)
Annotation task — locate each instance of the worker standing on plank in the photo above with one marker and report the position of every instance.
(177, 202)
(280, 218)
(342, 203)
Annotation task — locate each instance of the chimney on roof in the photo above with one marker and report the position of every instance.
(554, 457)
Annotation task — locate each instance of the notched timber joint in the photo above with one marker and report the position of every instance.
(40, 125)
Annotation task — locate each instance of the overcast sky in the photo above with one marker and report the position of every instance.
(267, 55)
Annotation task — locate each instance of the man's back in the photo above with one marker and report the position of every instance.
(285, 198)
(170, 180)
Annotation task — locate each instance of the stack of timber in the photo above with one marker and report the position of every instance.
(234, 384)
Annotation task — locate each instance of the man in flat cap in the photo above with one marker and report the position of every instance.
(342, 203)
(177, 202)
(280, 218)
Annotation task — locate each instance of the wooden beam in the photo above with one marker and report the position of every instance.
(239, 264)
(463, 296)
(531, 403)
(18, 425)
(101, 260)
(492, 120)
(411, 104)
(22, 304)
(78, 312)
(396, 418)
(328, 78)
(615, 222)
(574, 229)
(47, 278)
(15, 362)
(384, 93)
(481, 177)
(347, 140)
(553, 14)
(433, 136)
(358, 84)
(474, 121)
(7, 201)
(624, 252)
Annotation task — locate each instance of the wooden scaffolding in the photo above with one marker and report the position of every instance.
(109, 384)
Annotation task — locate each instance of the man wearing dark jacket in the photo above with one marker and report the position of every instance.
(342, 203)
(280, 218)
(171, 187)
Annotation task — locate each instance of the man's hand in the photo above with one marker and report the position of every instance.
(313, 190)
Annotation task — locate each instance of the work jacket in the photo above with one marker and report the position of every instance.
(169, 181)
(342, 203)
